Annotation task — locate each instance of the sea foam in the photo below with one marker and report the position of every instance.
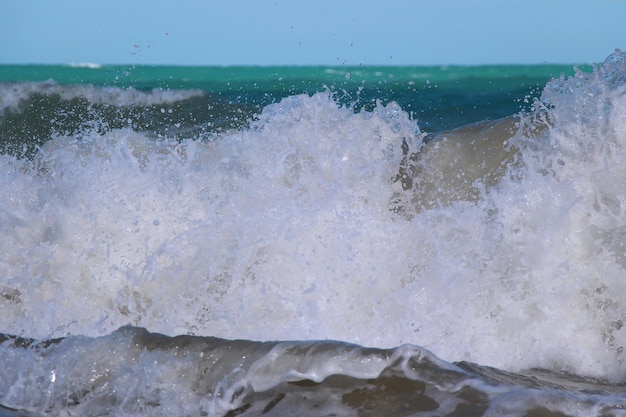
(286, 229)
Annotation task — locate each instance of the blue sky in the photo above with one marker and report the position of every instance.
(328, 32)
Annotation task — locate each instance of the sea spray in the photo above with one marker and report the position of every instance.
(288, 228)
(288, 223)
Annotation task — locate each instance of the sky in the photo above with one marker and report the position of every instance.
(313, 32)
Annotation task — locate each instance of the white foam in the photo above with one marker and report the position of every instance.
(12, 94)
(283, 231)
(90, 65)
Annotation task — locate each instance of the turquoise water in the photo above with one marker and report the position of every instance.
(219, 77)
(349, 241)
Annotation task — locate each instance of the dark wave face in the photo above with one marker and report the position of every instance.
(134, 372)
(190, 252)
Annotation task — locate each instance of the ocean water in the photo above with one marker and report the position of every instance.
(313, 241)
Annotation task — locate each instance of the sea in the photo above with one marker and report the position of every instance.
(313, 241)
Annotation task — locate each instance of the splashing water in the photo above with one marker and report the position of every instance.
(500, 243)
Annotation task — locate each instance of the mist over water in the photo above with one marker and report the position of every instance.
(500, 244)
